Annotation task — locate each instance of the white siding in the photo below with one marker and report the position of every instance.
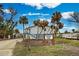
(34, 30)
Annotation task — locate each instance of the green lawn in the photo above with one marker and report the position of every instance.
(69, 48)
(67, 41)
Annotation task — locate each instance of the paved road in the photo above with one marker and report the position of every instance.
(7, 46)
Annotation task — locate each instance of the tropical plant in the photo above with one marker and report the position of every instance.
(42, 24)
(56, 24)
(23, 20)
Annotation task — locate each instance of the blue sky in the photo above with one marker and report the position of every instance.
(35, 11)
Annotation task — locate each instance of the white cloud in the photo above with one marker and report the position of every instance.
(6, 11)
(66, 15)
(37, 5)
(31, 14)
(51, 5)
(41, 5)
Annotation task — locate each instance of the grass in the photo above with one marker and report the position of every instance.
(20, 50)
(68, 41)
(56, 50)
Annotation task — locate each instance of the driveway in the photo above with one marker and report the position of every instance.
(7, 46)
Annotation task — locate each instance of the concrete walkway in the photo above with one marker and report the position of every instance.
(7, 46)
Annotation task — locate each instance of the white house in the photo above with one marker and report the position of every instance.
(35, 32)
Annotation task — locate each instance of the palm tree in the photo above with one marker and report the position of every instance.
(56, 17)
(56, 24)
(23, 20)
(36, 22)
(41, 24)
(73, 30)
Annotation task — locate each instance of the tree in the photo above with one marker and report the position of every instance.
(36, 22)
(42, 24)
(75, 19)
(1, 9)
(56, 24)
(7, 25)
(66, 31)
(73, 30)
(23, 20)
(11, 23)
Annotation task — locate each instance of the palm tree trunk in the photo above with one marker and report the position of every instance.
(44, 34)
(29, 46)
(53, 38)
(37, 33)
(23, 31)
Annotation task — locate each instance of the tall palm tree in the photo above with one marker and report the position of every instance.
(23, 20)
(56, 24)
